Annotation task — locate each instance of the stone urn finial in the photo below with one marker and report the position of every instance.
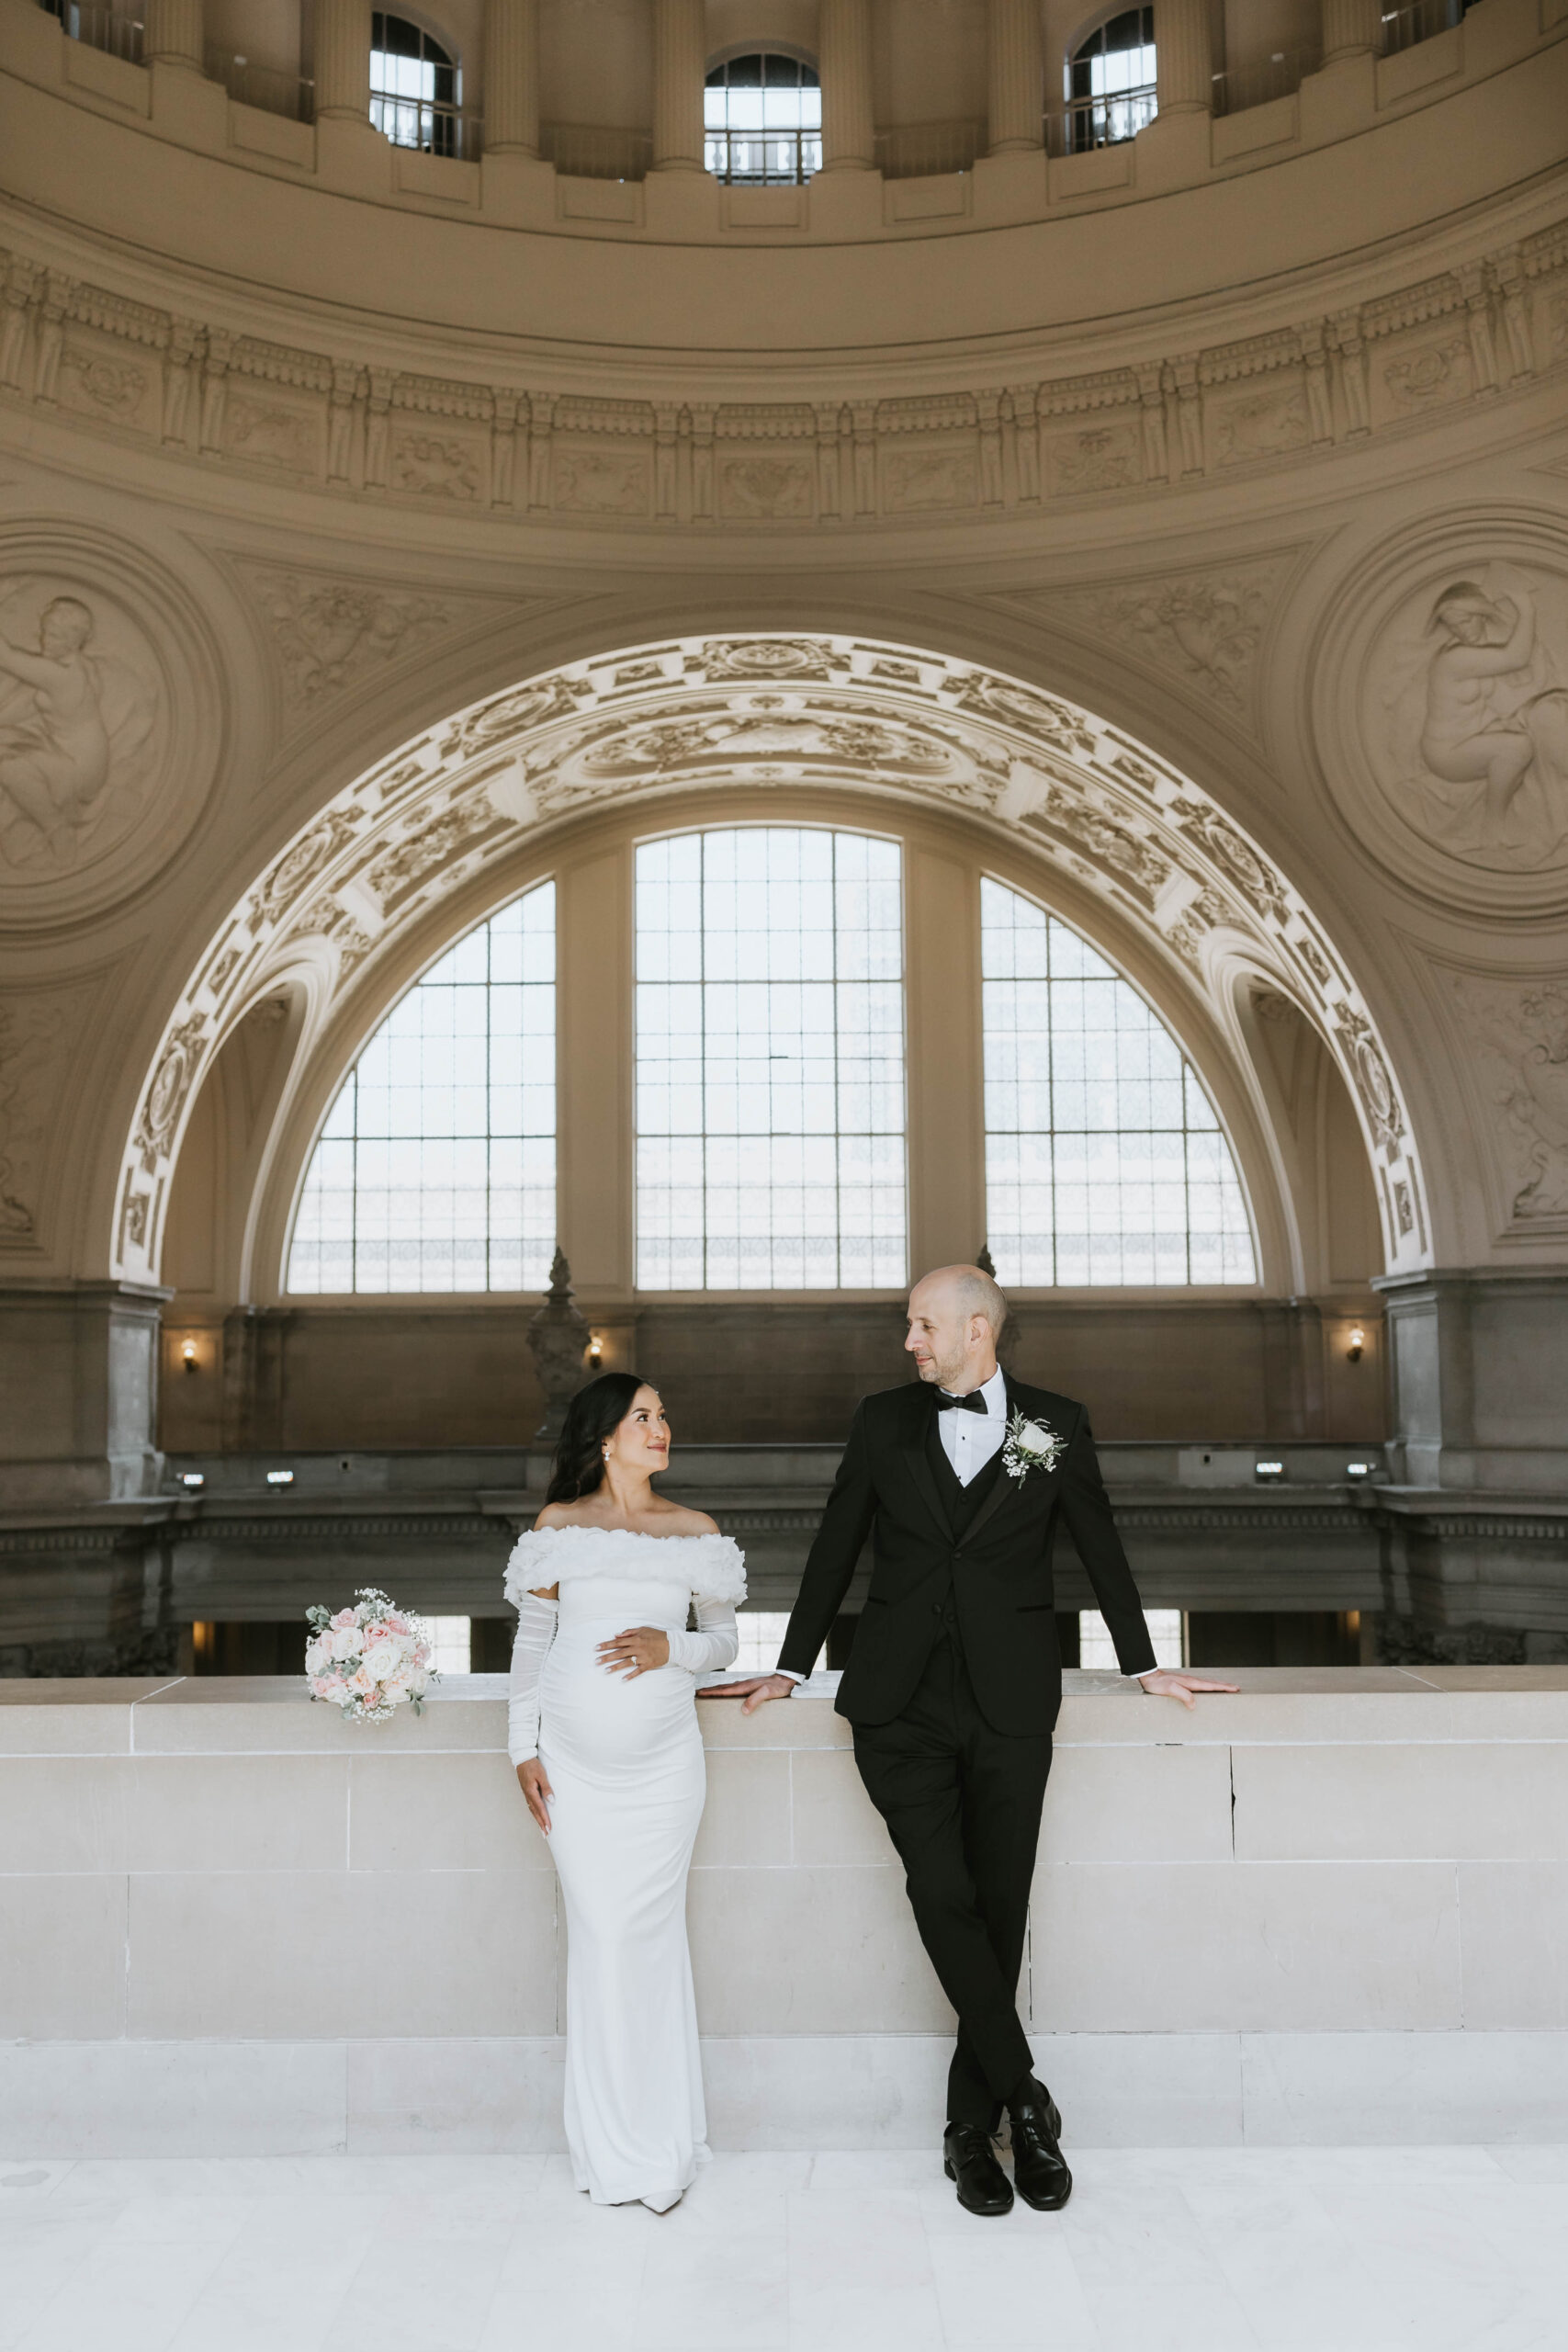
(558, 1340)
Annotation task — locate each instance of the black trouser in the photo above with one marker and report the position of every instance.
(962, 1803)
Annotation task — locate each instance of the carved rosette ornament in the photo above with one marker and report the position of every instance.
(838, 714)
(557, 1341)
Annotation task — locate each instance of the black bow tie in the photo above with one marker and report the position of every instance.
(973, 1403)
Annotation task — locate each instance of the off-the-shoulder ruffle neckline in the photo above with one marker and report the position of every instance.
(635, 1533)
(721, 1561)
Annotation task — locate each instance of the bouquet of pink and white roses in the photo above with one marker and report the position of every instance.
(369, 1659)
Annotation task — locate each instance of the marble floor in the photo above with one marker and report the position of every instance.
(1450, 2249)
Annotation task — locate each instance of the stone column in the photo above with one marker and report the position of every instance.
(1016, 59)
(78, 1393)
(680, 66)
(1184, 57)
(511, 77)
(173, 33)
(848, 139)
(343, 59)
(1350, 28)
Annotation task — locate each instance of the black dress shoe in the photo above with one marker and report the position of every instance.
(1041, 2178)
(970, 2160)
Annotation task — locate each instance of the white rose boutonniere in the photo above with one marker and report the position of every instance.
(1029, 1445)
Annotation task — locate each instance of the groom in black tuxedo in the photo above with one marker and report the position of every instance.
(956, 1679)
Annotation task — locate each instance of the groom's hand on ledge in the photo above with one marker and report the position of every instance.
(752, 1694)
(1173, 1682)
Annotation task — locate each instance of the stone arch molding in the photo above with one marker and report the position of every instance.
(769, 711)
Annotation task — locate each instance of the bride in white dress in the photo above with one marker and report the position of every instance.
(603, 1729)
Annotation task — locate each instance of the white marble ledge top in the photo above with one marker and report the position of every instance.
(1290, 1706)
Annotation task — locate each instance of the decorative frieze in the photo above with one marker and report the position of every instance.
(397, 434)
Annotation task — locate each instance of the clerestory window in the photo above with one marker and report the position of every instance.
(416, 88)
(1111, 90)
(762, 118)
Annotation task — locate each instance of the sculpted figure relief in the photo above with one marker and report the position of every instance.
(79, 719)
(1523, 1036)
(1472, 729)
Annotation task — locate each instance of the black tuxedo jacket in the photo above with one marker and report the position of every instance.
(999, 1568)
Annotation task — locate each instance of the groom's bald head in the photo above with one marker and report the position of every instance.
(968, 1291)
(957, 1315)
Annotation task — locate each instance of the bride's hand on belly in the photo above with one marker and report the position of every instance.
(637, 1651)
(535, 1783)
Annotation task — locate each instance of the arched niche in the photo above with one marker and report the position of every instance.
(1126, 848)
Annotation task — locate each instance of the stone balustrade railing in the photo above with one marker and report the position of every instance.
(1331, 1908)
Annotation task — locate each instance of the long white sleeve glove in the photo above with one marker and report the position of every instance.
(714, 1646)
(536, 1631)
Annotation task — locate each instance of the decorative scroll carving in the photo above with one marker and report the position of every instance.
(767, 488)
(1206, 627)
(301, 863)
(1369, 1071)
(165, 1098)
(332, 633)
(435, 846)
(1235, 855)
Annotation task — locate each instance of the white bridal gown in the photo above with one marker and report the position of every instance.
(625, 1761)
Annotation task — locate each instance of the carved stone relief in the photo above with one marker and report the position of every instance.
(332, 633)
(1265, 423)
(1519, 1032)
(927, 476)
(1465, 715)
(272, 433)
(83, 725)
(767, 488)
(1205, 626)
(39, 1036)
(434, 465)
(593, 481)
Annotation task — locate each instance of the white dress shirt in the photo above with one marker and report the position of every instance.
(969, 1443)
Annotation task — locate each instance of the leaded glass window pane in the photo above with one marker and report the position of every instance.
(1105, 1162)
(770, 1061)
(437, 1168)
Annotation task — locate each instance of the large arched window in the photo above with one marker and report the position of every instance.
(437, 1168)
(763, 119)
(1111, 90)
(770, 1061)
(1105, 1159)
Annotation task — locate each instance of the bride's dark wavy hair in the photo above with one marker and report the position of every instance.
(593, 1414)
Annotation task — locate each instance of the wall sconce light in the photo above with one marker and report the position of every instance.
(1272, 1469)
(192, 1478)
(1358, 1342)
(188, 1356)
(280, 1477)
(596, 1350)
